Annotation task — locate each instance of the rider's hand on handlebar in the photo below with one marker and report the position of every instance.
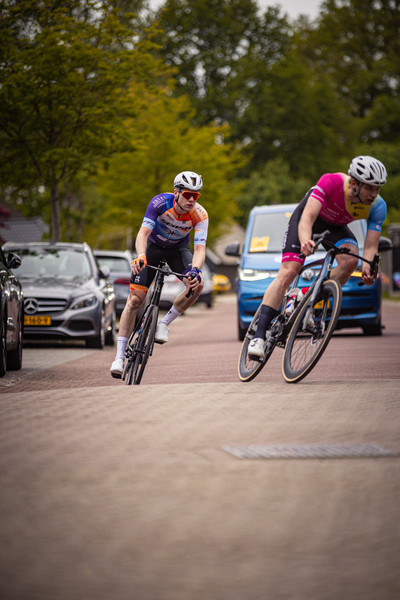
(194, 276)
(307, 247)
(367, 278)
(139, 263)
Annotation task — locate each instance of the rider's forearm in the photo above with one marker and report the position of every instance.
(307, 220)
(141, 240)
(199, 256)
(305, 230)
(371, 244)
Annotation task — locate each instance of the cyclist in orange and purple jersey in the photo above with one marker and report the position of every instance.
(335, 201)
(164, 233)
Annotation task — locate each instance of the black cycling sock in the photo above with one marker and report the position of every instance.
(267, 313)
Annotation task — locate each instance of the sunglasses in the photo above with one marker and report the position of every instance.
(188, 195)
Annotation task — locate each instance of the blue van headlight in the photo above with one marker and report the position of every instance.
(255, 274)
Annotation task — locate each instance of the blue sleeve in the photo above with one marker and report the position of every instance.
(155, 208)
(377, 214)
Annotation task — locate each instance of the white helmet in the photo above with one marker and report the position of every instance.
(368, 169)
(188, 180)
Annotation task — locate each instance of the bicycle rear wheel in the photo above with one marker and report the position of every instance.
(248, 369)
(304, 348)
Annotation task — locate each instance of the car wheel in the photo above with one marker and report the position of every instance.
(208, 300)
(99, 340)
(373, 330)
(14, 358)
(110, 335)
(241, 331)
(3, 346)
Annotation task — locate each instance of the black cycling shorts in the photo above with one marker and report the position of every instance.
(178, 259)
(340, 234)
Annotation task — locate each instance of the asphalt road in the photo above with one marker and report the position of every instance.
(116, 492)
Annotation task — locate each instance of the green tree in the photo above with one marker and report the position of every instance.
(358, 43)
(272, 184)
(213, 44)
(65, 70)
(244, 68)
(295, 115)
(125, 186)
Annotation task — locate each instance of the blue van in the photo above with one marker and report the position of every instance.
(261, 258)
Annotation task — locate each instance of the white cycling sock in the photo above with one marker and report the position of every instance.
(171, 315)
(121, 345)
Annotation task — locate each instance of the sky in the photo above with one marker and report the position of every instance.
(293, 7)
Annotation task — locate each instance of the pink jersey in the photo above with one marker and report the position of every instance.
(331, 192)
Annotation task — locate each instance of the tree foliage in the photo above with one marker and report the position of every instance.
(358, 43)
(128, 181)
(65, 68)
(260, 105)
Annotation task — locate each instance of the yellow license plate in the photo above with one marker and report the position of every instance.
(37, 320)
(319, 304)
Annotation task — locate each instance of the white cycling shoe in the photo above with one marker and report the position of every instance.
(117, 368)
(256, 349)
(161, 333)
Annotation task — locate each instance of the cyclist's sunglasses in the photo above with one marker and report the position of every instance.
(188, 195)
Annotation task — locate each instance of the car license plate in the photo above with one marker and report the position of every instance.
(42, 320)
(319, 304)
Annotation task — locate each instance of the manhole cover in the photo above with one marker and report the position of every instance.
(310, 451)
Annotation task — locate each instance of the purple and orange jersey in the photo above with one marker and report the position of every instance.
(170, 230)
(331, 192)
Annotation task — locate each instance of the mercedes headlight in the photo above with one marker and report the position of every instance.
(84, 302)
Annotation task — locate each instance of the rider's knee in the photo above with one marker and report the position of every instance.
(134, 302)
(288, 272)
(349, 264)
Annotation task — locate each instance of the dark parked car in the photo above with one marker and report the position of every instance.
(66, 295)
(11, 314)
(261, 258)
(119, 264)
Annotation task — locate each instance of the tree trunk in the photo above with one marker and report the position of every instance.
(55, 213)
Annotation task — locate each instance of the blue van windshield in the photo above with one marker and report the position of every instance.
(269, 228)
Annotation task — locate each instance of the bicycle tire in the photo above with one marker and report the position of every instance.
(248, 369)
(304, 348)
(136, 349)
(132, 363)
(146, 342)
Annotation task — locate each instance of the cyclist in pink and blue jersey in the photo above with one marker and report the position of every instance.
(335, 201)
(164, 233)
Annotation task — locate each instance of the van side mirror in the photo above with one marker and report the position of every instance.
(384, 244)
(233, 249)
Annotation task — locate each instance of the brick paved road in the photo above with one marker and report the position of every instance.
(116, 492)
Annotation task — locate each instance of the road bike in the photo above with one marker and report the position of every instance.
(141, 342)
(305, 333)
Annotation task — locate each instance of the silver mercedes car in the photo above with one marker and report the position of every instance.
(66, 294)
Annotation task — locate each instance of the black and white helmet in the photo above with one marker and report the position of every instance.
(189, 181)
(368, 169)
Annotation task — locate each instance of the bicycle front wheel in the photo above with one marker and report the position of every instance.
(304, 348)
(146, 342)
(247, 367)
